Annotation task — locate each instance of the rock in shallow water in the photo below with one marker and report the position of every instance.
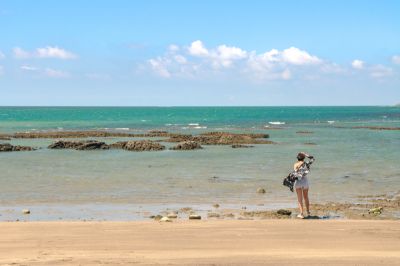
(187, 145)
(9, 147)
(26, 211)
(138, 145)
(79, 145)
(235, 146)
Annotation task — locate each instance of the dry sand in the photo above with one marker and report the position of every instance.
(218, 242)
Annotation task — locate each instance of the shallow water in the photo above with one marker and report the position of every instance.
(349, 162)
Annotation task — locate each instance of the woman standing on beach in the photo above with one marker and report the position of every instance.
(301, 169)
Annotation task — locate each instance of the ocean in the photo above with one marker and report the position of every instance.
(122, 185)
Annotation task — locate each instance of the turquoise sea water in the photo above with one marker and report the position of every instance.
(105, 184)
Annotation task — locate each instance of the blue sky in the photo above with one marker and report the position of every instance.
(133, 53)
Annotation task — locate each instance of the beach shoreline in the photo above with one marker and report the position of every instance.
(218, 242)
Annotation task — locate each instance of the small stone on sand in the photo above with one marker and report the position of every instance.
(165, 219)
(194, 217)
(260, 190)
(284, 212)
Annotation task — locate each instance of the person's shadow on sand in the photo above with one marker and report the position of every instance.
(313, 217)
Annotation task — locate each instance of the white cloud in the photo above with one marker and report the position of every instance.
(20, 53)
(380, 71)
(45, 52)
(274, 63)
(56, 73)
(173, 48)
(197, 49)
(28, 68)
(225, 55)
(357, 64)
(223, 61)
(2, 56)
(54, 52)
(180, 59)
(396, 59)
(159, 67)
(296, 56)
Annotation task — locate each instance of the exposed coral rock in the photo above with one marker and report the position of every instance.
(86, 134)
(235, 146)
(284, 212)
(138, 145)
(187, 145)
(222, 138)
(79, 145)
(9, 147)
(305, 132)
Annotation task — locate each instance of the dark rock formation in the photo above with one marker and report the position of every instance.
(5, 137)
(79, 145)
(222, 138)
(370, 127)
(187, 145)
(138, 145)
(235, 146)
(9, 147)
(305, 132)
(284, 212)
(85, 134)
(143, 145)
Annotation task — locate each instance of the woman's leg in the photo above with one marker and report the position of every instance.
(300, 199)
(305, 195)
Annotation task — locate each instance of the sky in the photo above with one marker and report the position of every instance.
(199, 53)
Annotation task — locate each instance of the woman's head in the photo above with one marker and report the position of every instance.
(301, 156)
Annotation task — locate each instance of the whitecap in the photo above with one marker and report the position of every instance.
(276, 123)
(193, 124)
(199, 127)
(330, 121)
(122, 128)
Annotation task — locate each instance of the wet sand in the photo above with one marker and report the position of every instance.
(212, 242)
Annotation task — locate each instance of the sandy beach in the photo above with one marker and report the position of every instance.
(220, 242)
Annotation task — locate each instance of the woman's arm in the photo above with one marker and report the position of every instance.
(311, 159)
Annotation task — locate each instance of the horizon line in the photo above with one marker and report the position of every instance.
(184, 106)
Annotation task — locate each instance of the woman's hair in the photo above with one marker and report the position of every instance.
(301, 156)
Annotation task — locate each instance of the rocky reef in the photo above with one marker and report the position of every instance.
(187, 145)
(222, 138)
(138, 145)
(9, 147)
(79, 145)
(83, 134)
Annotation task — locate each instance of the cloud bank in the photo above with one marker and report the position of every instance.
(196, 60)
(44, 52)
